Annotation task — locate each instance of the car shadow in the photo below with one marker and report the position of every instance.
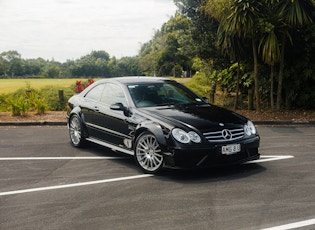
(223, 173)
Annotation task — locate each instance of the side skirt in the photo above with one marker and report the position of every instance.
(111, 146)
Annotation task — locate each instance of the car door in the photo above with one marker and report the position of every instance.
(115, 129)
(90, 110)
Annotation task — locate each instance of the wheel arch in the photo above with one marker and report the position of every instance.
(155, 129)
(76, 111)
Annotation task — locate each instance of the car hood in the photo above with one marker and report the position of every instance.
(202, 117)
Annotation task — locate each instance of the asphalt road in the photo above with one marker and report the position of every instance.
(45, 183)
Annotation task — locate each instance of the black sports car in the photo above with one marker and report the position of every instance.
(161, 123)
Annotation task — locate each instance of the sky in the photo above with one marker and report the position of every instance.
(69, 29)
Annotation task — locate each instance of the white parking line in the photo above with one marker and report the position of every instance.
(74, 185)
(265, 158)
(299, 224)
(58, 158)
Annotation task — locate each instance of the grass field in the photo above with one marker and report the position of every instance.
(11, 85)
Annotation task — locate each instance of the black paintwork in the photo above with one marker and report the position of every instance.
(117, 125)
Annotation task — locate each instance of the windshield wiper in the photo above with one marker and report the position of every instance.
(167, 104)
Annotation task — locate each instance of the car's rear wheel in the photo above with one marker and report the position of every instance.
(76, 132)
(148, 153)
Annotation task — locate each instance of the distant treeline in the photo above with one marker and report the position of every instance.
(95, 64)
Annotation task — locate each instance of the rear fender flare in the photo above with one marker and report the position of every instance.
(77, 111)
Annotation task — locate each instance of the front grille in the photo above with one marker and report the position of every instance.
(224, 135)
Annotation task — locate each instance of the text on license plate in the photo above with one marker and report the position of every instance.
(231, 149)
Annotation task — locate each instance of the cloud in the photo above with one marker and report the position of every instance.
(69, 29)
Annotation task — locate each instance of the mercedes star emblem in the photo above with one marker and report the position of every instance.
(227, 135)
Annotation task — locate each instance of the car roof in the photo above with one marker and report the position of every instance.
(135, 79)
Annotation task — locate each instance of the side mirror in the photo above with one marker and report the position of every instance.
(120, 107)
(205, 99)
(117, 106)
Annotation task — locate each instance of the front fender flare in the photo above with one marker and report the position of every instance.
(156, 129)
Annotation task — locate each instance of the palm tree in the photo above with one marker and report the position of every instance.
(231, 46)
(241, 22)
(269, 46)
(294, 13)
(270, 52)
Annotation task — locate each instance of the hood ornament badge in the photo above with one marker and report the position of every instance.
(221, 124)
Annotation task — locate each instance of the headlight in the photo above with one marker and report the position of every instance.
(194, 137)
(249, 128)
(183, 137)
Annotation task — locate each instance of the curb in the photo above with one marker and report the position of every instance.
(34, 123)
(294, 123)
(64, 123)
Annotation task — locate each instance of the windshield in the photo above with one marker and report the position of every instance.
(161, 94)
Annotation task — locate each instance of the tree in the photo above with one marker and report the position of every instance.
(101, 54)
(294, 14)
(51, 71)
(148, 54)
(127, 66)
(11, 63)
(269, 46)
(299, 83)
(203, 29)
(242, 22)
(171, 50)
(32, 67)
(230, 44)
(94, 64)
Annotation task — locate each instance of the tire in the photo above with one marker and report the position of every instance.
(76, 133)
(148, 154)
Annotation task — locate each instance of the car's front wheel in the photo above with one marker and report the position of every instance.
(148, 153)
(76, 132)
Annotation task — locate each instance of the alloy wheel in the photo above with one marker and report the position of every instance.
(148, 153)
(75, 131)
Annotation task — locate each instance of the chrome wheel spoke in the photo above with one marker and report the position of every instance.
(148, 153)
(75, 130)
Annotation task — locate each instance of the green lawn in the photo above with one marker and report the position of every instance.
(11, 85)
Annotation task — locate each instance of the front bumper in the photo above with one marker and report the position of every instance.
(211, 155)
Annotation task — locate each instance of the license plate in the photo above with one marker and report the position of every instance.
(231, 149)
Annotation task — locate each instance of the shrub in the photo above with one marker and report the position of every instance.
(24, 100)
(37, 103)
(50, 93)
(199, 84)
(19, 106)
(80, 86)
(3, 102)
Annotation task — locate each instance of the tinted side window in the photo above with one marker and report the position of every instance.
(113, 94)
(95, 93)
